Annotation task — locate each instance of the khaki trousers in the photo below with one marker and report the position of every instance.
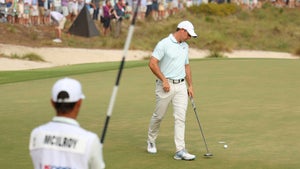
(179, 98)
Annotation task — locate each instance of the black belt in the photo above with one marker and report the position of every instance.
(176, 81)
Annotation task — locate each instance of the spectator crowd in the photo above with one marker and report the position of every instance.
(37, 12)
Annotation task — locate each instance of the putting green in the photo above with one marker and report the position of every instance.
(251, 104)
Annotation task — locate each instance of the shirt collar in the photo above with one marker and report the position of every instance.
(66, 120)
(172, 38)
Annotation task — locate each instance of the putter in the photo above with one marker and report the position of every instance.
(208, 153)
(116, 87)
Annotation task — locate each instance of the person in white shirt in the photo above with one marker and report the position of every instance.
(62, 143)
(59, 22)
(170, 65)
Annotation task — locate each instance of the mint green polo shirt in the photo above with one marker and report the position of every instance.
(172, 56)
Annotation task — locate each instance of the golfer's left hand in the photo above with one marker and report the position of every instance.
(190, 92)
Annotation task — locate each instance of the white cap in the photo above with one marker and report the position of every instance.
(188, 26)
(71, 87)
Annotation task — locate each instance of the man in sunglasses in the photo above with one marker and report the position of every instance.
(170, 64)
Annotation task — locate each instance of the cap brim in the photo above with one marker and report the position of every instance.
(192, 33)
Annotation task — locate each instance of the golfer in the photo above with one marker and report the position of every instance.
(170, 64)
(62, 143)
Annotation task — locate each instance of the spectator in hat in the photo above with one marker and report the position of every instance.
(120, 12)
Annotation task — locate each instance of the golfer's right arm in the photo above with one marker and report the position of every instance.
(153, 64)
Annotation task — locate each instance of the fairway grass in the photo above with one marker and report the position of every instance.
(251, 104)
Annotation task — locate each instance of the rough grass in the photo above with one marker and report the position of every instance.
(268, 28)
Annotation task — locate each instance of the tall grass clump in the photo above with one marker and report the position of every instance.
(12, 29)
(34, 34)
(28, 56)
(216, 54)
(214, 9)
(217, 46)
(297, 52)
(33, 57)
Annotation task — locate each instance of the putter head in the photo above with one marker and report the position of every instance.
(208, 155)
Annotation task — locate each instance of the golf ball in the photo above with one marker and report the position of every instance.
(225, 146)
